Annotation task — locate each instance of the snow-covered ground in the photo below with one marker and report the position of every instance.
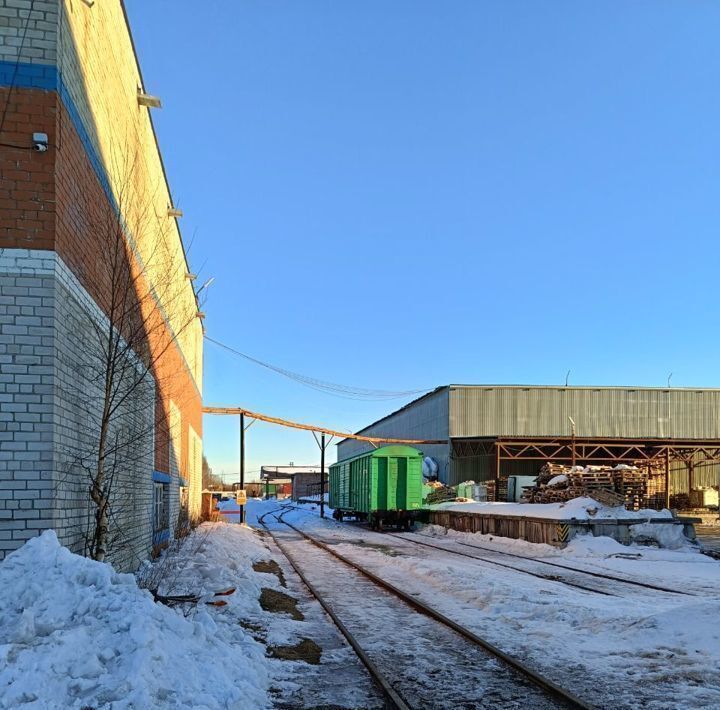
(75, 634)
(630, 650)
(577, 509)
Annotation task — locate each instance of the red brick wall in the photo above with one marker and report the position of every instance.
(27, 189)
(54, 200)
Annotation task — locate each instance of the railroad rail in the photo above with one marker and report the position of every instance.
(540, 575)
(545, 685)
(602, 575)
(553, 578)
(392, 699)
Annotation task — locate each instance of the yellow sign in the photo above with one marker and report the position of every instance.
(241, 497)
(563, 532)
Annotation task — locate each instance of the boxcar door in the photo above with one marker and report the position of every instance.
(392, 483)
(401, 502)
(381, 483)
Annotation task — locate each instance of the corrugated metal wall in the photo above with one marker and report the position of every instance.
(609, 412)
(482, 468)
(425, 419)
(705, 476)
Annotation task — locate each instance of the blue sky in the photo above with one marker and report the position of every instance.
(400, 194)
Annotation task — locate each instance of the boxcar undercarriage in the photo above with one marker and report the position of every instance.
(379, 519)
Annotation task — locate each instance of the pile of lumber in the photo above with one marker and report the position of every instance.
(440, 493)
(614, 486)
(553, 485)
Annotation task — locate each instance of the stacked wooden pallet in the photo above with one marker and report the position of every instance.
(615, 486)
(631, 484)
(655, 487)
(593, 477)
(491, 492)
(553, 485)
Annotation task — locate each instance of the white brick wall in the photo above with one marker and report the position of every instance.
(38, 21)
(26, 396)
(49, 404)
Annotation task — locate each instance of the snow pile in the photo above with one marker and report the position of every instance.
(670, 537)
(575, 509)
(557, 480)
(74, 633)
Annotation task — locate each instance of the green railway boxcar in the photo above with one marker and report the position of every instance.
(382, 486)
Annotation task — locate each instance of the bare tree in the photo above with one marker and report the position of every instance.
(210, 480)
(135, 273)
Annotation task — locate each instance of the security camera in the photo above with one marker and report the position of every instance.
(40, 142)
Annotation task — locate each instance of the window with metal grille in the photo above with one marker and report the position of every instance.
(159, 510)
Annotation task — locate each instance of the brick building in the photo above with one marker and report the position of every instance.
(68, 70)
(305, 480)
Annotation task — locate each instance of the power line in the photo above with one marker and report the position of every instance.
(331, 388)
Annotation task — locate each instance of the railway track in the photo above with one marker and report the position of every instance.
(633, 583)
(549, 576)
(394, 634)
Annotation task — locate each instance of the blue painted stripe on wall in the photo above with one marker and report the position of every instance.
(159, 477)
(29, 76)
(87, 143)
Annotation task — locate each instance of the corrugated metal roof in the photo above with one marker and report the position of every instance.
(544, 410)
(622, 412)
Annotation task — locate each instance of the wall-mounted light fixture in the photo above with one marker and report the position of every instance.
(148, 99)
(191, 277)
(174, 212)
(205, 285)
(40, 142)
(89, 3)
(200, 315)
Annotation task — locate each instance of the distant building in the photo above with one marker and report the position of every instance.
(489, 432)
(305, 479)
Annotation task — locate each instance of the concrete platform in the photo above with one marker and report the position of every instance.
(557, 532)
(709, 537)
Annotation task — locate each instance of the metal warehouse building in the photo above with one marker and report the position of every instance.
(493, 432)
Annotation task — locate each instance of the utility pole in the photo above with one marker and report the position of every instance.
(322, 445)
(242, 463)
(322, 475)
(572, 424)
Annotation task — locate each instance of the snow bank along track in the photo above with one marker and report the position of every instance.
(401, 637)
(551, 577)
